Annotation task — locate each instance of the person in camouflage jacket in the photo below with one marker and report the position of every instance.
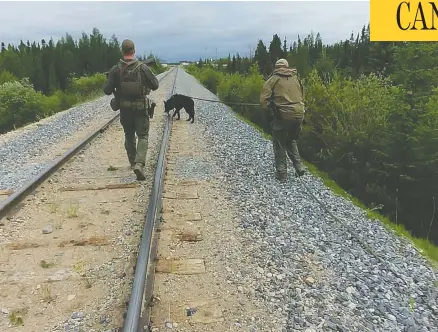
(283, 98)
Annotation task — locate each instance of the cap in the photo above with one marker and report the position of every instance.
(128, 46)
(281, 63)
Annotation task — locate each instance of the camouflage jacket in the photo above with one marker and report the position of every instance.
(288, 93)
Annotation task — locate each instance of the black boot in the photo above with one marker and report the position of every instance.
(281, 177)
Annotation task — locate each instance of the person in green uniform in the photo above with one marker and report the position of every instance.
(131, 81)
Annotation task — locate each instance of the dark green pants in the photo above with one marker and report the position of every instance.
(285, 136)
(135, 121)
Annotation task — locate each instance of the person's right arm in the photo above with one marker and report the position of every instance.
(110, 85)
(266, 93)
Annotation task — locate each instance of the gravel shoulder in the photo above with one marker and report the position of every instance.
(314, 273)
(67, 257)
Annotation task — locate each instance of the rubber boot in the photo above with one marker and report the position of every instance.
(279, 161)
(130, 148)
(296, 159)
(142, 148)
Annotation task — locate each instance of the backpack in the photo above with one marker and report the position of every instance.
(131, 85)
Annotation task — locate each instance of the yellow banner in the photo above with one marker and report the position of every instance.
(396, 20)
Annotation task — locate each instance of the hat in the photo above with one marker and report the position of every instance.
(128, 46)
(281, 63)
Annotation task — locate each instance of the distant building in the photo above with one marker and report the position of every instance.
(185, 63)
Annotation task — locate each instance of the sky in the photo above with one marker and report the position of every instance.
(184, 30)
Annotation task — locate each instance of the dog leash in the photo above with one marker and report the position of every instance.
(225, 102)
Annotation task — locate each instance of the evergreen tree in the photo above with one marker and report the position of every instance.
(262, 58)
(275, 50)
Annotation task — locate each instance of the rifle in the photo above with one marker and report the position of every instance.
(150, 61)
(272, 109)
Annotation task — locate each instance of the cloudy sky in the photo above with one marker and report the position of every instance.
(184, 30)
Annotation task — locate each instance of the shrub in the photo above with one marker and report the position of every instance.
(6, 76)
(20, 104)
(86, 86)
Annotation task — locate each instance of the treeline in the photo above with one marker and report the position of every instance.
(39, 79)
(372, 116)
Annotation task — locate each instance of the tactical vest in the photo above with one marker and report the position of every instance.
(131, 84)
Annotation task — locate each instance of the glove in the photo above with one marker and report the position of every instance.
(115, 105)
(151, 110)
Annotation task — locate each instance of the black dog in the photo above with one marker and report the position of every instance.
(178, 102)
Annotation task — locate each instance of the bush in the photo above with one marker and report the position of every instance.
(348, 132)
(209, 77)
(20, 104)
(86, 86)
(6, 76)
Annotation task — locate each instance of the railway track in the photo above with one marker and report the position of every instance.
(144, 272)
(67, 236)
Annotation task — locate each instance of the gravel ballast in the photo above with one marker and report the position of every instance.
(27, 151)
(311, 270)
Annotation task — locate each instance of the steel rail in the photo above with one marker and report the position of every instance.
(146, 255)
(8, 204)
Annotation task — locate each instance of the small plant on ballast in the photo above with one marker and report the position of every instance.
(46, 265)
(47, 294)
(79, 268)
(16, 317)
(412, 304)
(72, 211)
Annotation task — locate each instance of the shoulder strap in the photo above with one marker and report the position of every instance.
(122, 70)
(139, 63)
